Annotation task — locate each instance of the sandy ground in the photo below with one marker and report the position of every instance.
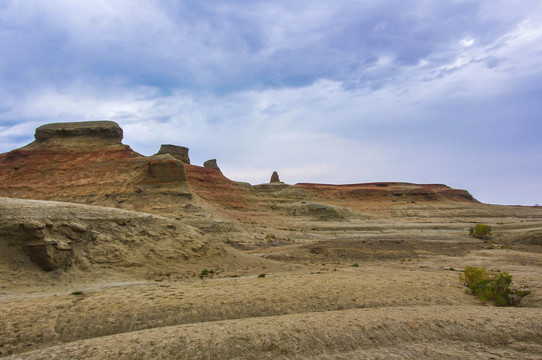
(382, 310)
(379, 288)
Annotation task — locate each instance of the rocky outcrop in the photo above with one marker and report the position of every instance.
(60, 236)
(86, 162)
(80, 133)
(45, 250)
(274, 178)
(211, 164)
(178, 152)
(164, 169)
(214, 187)
(390, 191)
(315, 211)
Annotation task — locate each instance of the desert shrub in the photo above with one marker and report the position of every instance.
(355, 265)
(205, 273)
(480, 231)
(490, 287)
(261, 275)
(77, 293)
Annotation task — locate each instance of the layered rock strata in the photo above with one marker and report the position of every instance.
(85, 134)
(87, 162)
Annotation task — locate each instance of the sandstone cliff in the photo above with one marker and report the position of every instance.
(211, 164)
(86, 162)
(178, 152)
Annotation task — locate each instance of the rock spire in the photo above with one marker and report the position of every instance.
(274, 178)
(211, 164)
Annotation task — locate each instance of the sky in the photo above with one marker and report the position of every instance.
(446, 91)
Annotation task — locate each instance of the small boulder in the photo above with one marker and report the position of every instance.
(274, 178)
(178, 152)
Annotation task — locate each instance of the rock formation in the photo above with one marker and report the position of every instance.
(101, 129)
(211, 164)
(48, 252)
(58, 235)
(178, 152)
(78, 134)
(164, 169)
(274, 178)
(86, 162)
(389, 191)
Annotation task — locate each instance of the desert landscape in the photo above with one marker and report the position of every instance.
(106, 253)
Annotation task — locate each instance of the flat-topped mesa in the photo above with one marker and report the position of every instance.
(80, 133)
(386, 191)
(178, 152)
(86, 162)
(274, 178)
(211, 164)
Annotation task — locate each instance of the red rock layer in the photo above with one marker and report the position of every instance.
(212, 186)
(388, 190)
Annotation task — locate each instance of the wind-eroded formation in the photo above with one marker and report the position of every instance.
(106, 253)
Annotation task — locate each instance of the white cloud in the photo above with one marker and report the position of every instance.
(467, 42)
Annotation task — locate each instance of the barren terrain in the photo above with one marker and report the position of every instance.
(154, 258)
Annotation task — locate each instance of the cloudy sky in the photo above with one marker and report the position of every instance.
(446, 91)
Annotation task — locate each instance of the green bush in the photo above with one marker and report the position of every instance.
(480, 231)
(205, 273)
(490, 287)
